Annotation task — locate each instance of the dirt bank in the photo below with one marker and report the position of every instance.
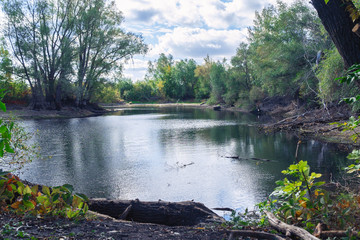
(13, 227)
(65, 112)
(313, 124)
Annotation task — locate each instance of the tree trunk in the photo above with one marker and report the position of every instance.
(58, 97)
(337, 21)
(167, 213)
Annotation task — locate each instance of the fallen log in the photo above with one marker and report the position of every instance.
(166, 213)
(287, 229)
(254, 234)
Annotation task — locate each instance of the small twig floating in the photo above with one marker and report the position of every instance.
(253, 158)
(184, 165)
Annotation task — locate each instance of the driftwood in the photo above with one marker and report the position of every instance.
(224, 209)
(253, 158)
(289, 230)
(322, 232)
(254, 234)
(167, 213)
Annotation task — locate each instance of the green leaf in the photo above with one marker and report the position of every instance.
(46, 190)
(8, 148)
(326, 1)
(68, 187)
(82, 197)
(2, 106)
(28, 204)
(3, 129)
(55, 197)
(27, 190)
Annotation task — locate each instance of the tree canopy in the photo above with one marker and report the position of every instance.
(64, 48)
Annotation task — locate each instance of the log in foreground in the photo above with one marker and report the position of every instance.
(289, 230)
(167, 213)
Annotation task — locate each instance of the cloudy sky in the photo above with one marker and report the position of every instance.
(187, 28)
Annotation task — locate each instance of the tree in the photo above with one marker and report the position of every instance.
(279, 41)
(101, 45)
(40, 33)
(183, 79)
(202, 72)
(335, 15)
(57, 42)
(218, 76)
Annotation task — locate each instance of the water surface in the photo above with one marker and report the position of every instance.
(173, 154)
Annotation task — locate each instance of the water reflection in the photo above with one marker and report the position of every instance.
(144, 153)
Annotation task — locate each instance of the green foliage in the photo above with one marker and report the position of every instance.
(351, 76)
(5, 130)
(108, 93)
(350, 125)
(280, 39)
(218, 76)
(14, 148)
(40, 201)
(17, 90)
(67, 44)
(242, 220)
(183, 80)
(202, 72)
(331, 67)
(301, 201)
(354, 168)
(141, 91)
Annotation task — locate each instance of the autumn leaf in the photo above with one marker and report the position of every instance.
(16, 205)
(302, 203)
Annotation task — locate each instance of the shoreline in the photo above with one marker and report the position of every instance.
(310, 129)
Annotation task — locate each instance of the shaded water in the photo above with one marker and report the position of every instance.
(142, 153)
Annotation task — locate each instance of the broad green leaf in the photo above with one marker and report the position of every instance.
(46, 190)
(28, 204)
(27, 190)
(3, 129)
(2, 106)
(68, 187)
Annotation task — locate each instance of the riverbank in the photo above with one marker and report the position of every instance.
(312, 124)
(306, 124)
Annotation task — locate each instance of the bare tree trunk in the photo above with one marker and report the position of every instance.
(335, 17)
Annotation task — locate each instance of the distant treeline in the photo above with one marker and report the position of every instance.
(287, 53)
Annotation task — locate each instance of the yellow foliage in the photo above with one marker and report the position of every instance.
(302, 203)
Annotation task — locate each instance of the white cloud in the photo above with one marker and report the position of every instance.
(186, 42)
(197, 13)
(136, 68)
(188, 28)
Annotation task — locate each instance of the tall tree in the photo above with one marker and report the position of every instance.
(59, 41)
(101, 45)
(183, 79)
(202, 72)
(40, 33)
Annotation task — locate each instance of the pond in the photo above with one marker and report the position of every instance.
(172, 154)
